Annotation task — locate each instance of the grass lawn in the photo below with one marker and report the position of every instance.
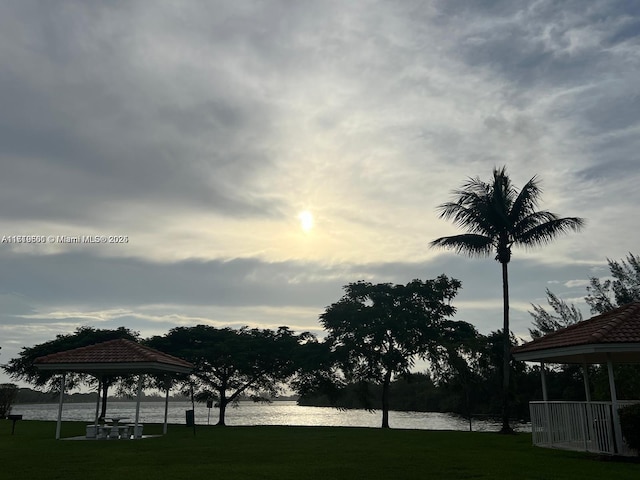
(291, 453)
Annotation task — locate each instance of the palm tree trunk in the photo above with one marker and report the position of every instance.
(506, 364)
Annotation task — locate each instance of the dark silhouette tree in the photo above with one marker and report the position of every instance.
(23, 368)
(458, 375)
(603, 296)
(497, 217)
(231, 364)
(8, 394)
(546, 322)
(376, 331)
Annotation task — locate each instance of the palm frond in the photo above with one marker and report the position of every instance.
(463, 216)
(472, 210)
(545, 232)
(532, 221)
(473, 245)
(526, 201)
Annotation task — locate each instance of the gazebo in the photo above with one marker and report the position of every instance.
(113, 358)
(608, 339)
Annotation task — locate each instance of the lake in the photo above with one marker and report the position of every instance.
(249, 413)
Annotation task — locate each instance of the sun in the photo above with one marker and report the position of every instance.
(306, 220)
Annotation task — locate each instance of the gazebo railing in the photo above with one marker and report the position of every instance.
(582, 426)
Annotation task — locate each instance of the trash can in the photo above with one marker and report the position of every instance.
(190, 417)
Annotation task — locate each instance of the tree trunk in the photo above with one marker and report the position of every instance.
(385, 399)
(105, 389)
(468, 408)
(506, 364)
(222, 406)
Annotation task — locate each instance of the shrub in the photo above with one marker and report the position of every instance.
(630, 425)
(8, 392)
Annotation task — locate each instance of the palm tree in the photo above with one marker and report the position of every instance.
(497, 217)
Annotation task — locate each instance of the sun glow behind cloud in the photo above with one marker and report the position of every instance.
(306, 220)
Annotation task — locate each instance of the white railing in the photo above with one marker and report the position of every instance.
(582, 426)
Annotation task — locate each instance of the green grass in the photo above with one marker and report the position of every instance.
(291, 453)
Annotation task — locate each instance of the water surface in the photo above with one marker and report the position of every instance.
(249, 413)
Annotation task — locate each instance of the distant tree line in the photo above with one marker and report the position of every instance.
(28, 395)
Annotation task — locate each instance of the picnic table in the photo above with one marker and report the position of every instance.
(117, 430)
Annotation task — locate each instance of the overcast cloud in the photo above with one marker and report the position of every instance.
(200, 131)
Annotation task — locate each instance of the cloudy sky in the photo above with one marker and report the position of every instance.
(199, 131)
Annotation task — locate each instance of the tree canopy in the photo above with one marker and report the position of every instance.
(376, 331)
(231, 363)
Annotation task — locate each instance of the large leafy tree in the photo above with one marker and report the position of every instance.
(23, 368)
(498, 217)
(233, 363)
(376, 331)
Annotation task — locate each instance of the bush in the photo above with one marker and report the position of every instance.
(8, 392)
(630, 425)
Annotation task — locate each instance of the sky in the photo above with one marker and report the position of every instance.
(196, 133)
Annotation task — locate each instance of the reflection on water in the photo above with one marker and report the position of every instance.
(249, 413)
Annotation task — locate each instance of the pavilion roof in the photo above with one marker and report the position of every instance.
(114, 356)
(614, 334)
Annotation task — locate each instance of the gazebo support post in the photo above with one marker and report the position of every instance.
(585, 378)
(587, 396)
(59, 423)
(614, 405)
(166, 408)
(138, 397)
(95, 423)
(545, 397)
(543, 378)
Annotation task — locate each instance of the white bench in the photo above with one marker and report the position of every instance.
(137, 433)
(92, 431)
(98, 431)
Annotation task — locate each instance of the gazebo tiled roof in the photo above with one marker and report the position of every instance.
(113, 356)
(615, 335)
